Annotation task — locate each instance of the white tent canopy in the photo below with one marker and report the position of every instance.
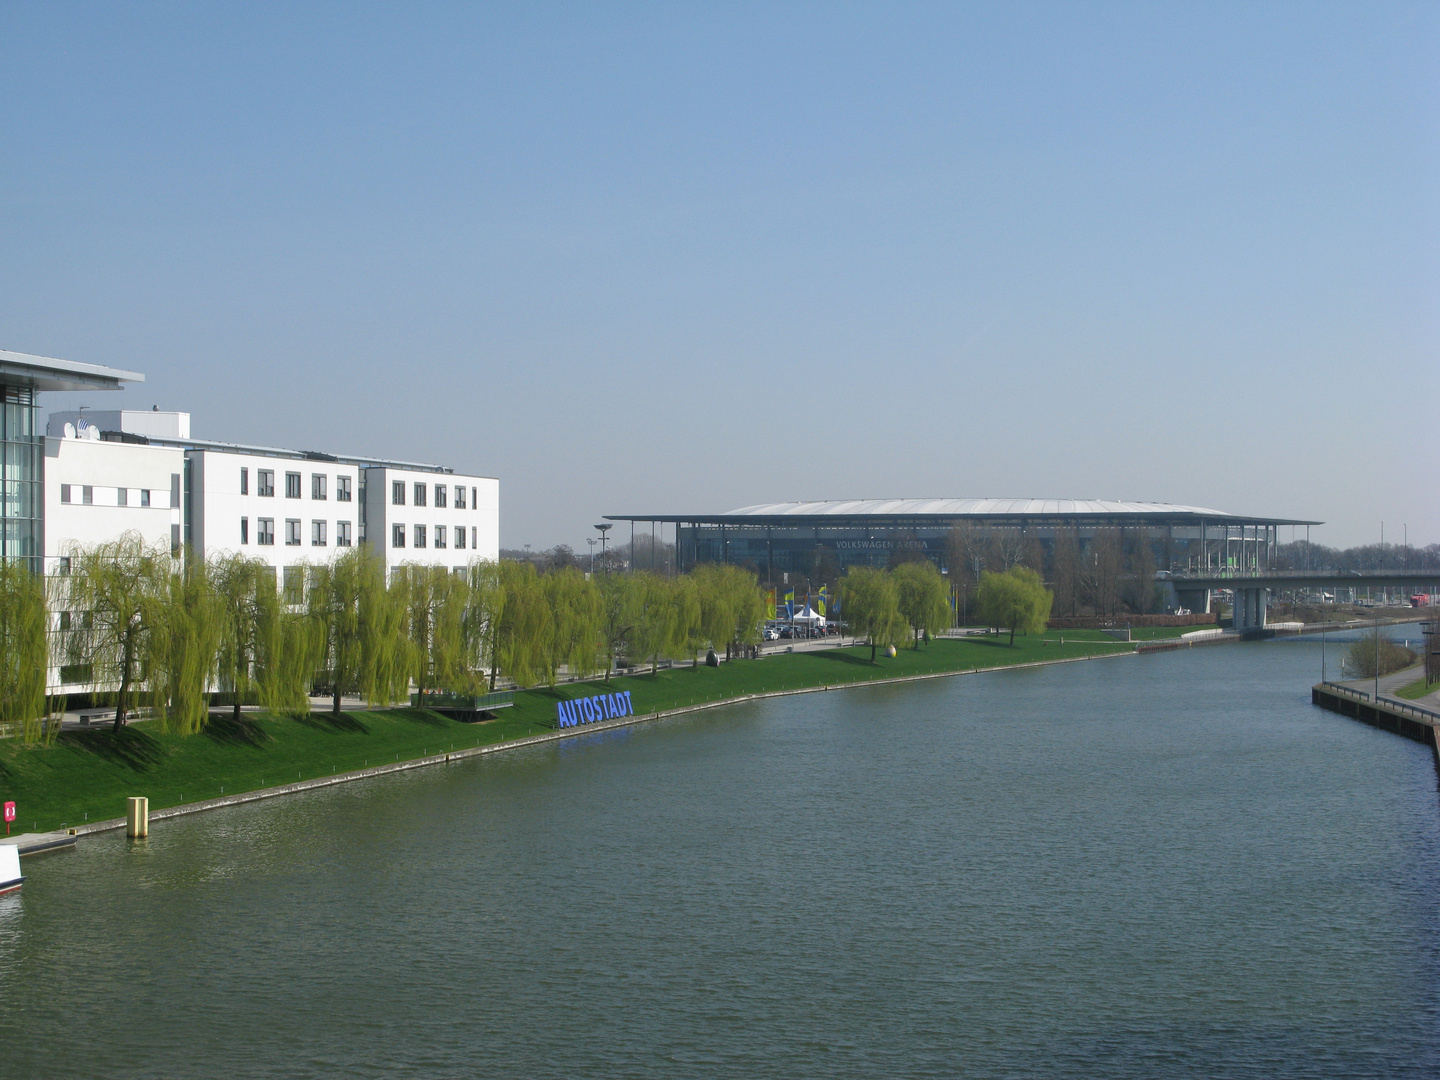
(809, 617)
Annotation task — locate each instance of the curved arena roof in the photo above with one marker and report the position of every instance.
(965, 508)
(860, 510)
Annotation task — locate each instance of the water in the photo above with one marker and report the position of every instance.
(1168, 865)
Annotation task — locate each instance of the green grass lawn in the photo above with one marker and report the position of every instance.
(87, 776)
(1417, 689)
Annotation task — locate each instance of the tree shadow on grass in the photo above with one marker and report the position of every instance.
(223, 728)
(858, 658)
(345, 723)
(129, 747)
(419, 716)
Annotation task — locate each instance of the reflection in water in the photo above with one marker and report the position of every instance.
(1168, 865)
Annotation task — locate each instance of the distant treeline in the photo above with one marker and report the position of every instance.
(1302, 555)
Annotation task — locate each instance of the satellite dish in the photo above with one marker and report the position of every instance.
(69, 430)
(92, 433)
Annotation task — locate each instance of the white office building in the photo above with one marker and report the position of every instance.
(288, 508)
(96, 491)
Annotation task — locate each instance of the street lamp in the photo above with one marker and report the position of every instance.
(603, 530)
(591, 541)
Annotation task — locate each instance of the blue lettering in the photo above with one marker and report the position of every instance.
(629, 705)
(588, 704)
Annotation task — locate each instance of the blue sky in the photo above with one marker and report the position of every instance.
(668, 258)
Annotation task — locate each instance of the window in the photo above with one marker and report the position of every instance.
(244, 480)
(265, 483)
(317, 534)
(244, 530)
(397, 492)
(292, 485)
(265, 532)
(64, 493)
(144, 496)
(459, 496)
(292, 532)
(474, 500)
(64, 620)
(473, 544)
(63, 568)
(460, 537)
(317, 486)
(294, 585)
(342, 534)
(440, 492)
(419, 494)
(397, 536)
(174, 491)
(440, 536)
(342, 489)
(87, 495)
(122, 496)
(419, 536)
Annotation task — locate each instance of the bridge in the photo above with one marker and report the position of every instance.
(1252, 587)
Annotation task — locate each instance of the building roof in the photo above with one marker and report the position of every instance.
(46, 373)
(919, 510)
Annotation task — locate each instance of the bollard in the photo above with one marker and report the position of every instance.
(137, 816)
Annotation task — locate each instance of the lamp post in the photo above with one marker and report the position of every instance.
(591, 541)
(603, 530)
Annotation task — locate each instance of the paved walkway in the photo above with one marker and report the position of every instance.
(1393, 682)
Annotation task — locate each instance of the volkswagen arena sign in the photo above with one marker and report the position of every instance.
(591, 710)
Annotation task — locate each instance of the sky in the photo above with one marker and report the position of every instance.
(670, 258)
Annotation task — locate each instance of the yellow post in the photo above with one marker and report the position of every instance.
(137, 816)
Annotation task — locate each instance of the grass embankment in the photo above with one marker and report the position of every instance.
(87, 776)
(1415, 690)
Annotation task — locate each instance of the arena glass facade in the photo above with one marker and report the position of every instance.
(776, 538)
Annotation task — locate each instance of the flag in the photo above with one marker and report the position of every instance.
(820, 608)
(770, 604)
(789, 603)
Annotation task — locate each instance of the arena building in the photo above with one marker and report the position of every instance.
(780, 538)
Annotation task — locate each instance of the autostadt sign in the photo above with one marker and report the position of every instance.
(591, 710)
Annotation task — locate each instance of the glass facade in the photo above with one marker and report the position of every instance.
(21, 474)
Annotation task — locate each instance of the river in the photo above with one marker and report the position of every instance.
(1168, 865)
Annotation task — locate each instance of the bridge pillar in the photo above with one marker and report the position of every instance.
(1250, 609)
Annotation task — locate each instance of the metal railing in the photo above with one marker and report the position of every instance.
(443, 699)
(1415, 712)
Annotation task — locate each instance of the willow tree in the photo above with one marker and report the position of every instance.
(694, 599)
(656, 629)
(187, 639)
(348, 606)
(24, 649)
(619, 603)
(1016, 599)
(732, 606)
(576, 614)
(117, 593)
(483, 611)
(384, 637)
(290, 647)
(747, 606)
(872, 607)
(526, 626)
(436, 617)
(923, 598)
(247, 605)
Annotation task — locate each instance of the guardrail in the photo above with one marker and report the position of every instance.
(499, 699)
(1415, 712)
